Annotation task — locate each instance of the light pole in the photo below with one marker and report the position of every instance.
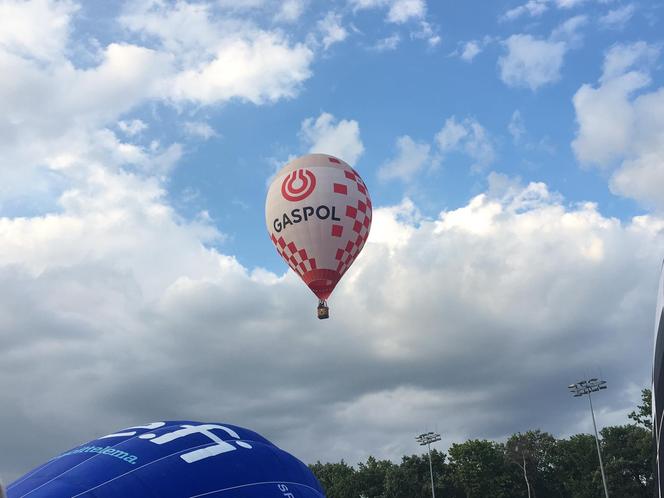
(425, 440)
(586, 387)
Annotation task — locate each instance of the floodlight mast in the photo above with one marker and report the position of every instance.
(425, 440)
(586, 387)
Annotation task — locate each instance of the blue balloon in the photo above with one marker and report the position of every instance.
(174, 459)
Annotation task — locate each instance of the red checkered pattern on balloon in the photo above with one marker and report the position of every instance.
(297, 259)
(360, 212)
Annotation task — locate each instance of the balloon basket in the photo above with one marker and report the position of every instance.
(323, 310)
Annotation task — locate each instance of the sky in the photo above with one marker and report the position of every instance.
(514, 153)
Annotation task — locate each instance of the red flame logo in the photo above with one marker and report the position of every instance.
(298, 185)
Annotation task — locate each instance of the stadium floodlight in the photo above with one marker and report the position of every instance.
(426, 439)
(585, 387)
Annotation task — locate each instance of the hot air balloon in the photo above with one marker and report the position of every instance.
(658, 387)
(318, 215)
(172, 460)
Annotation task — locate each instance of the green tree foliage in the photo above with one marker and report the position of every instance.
(371, 477)
(643, 414)
(337, 479)
(532, 464)
(533, 453)
(577, 467)
(627, 451)
(479, 468)
(411, 478)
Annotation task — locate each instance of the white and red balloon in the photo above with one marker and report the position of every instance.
(318, 215)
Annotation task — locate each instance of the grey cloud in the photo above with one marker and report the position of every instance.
(474, 322)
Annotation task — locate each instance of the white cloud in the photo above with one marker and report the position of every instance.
(617, 18)
(331, 29)
(367, 4)
(568, 31)
(533, 62)
(195, 56)
(402, 11)
(470, 50)
(411, 158)
(263, 69)
(218, 59)
(452, 133)
(398, 11)
(200, 129)
(53, 110)
(291, 10)
(389, 43)
(467, 51)
(516, 126)
(327, 135)
(468, 137)
(533, 8)
(621, 58)
(241, 4)
(39, 28)
(154, 160)
(133, 127)
(182, 28)
(569, 4)
(427, 32)
(621, 129)
(124, 301)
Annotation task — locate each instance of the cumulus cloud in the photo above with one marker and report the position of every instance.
(291, 10)
(532, 8)
(38, 29)
(401, 11)
(121, 300)
(115, 310)
(411, 158)
(568, 4)
(53, 110)
(217, 59)
(388, 43)
(261, 70)
(467, 51)
(469, 137)
(533, 62)
(427, 32)
(617, 18)
(199, 129)
(132, 127)
(398, 11)
(180, 53)
(621, 125)
(325, 134)
(470, 50)
(332, 31)
(535, 8)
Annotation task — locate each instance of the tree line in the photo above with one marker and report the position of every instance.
(533, 464)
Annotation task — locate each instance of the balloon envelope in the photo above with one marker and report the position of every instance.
(318, 215)
(172, 460)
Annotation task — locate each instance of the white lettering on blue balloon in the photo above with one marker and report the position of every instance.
(284, 490)
(218, 448)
